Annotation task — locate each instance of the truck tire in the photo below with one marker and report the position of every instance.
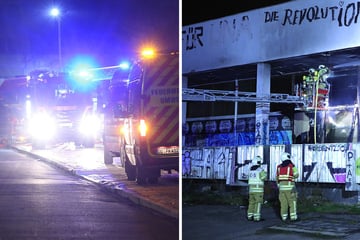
(141, 175)
(130, 171)
(147, 175)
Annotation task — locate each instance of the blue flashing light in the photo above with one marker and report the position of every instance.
(125, 65)
(81, 63)
(81, 73)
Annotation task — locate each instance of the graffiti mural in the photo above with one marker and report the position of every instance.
(206, 163)
(317, 163)
(325, 163)
(222, 132)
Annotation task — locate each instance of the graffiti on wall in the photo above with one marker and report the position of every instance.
(222, 132)
(206, 163)
(350, 170)
(320, 163)
(193, 37)
(342, 14)
(324, 163)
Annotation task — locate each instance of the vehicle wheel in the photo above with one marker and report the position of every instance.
(140, 175)
(141, 180)
(130, 171)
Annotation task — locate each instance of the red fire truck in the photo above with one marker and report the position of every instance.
(60, 111)
(141, 120)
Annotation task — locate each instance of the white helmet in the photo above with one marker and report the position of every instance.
(285, 156)
(257, 160)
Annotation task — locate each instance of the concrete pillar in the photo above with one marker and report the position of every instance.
(262, 108)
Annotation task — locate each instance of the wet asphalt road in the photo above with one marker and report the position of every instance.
(40, 201)
(89, 164)
(220, 222)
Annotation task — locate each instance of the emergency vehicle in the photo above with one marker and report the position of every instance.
(141, 119)
(11, 91)
(59, 111)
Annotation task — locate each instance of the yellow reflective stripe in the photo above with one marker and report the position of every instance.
(256, 189)
(286, 185)
(286, 177)
(255, 181)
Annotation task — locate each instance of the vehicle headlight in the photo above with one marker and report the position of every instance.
(90, 125)
(42, 126)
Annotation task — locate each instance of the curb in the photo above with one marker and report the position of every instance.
(133, 197)
(316, 232)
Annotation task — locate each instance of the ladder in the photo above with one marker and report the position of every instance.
(190, 94)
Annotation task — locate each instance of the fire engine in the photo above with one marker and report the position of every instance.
(11, 90)
(141, 119)
(58, 111)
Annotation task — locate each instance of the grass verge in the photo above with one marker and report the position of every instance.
(216, 195)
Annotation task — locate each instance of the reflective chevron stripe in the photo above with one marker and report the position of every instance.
(161, 110)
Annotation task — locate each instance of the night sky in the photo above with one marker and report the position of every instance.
(107, 30)
(203, 10)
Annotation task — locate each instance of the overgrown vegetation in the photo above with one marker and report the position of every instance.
(213, 198)
(328, 207)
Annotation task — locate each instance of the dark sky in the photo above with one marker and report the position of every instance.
(203, 10)
(107, 29)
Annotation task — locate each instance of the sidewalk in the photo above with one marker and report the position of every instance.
(220, 222)
(88, 164)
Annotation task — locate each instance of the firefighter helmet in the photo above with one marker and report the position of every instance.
(257, 160)
(285, 156)
(321, 67)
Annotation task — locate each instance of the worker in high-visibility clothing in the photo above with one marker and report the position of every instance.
(286, 173)
(257, 176)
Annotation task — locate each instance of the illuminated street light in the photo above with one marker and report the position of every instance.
(55, 12)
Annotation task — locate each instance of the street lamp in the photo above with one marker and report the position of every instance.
(55, 12)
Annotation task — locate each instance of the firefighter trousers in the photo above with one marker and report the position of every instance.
(254, 208)
(288, 202)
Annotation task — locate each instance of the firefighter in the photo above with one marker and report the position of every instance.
(257, 176)
(315, 87)
(286, 173)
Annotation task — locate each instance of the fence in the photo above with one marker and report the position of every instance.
(318, 163)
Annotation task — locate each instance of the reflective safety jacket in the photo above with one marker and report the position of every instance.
(286, 173)
(257, 176)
